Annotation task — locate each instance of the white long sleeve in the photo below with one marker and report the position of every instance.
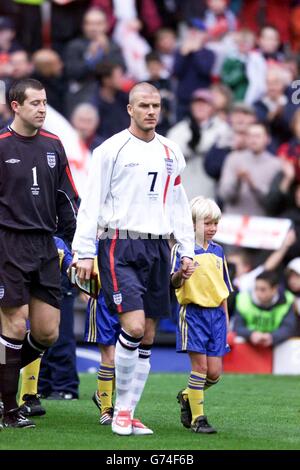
(132, 186)
(183, 224)
(91, 204)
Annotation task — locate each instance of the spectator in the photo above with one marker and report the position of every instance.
(196, 135)
(274, 108)
(269, 42)
(21, 65)
(48, 68)
(247, 175)
(219, 19)
(222, 98)
(134, 47)
(267, 54)
(165, 46)
(241, 117)
(110, 100)
(85, 119)
(244, 263)
(234, 72)
(193, 66)
(265, 316)
(158, 78)
(220, 23)
(83, 55)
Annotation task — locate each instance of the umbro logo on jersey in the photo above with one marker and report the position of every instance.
(12, 160)
(130, 165)
(51, 159)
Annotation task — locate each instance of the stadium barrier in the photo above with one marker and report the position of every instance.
(247, 359)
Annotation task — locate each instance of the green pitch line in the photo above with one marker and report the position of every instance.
(249, 412)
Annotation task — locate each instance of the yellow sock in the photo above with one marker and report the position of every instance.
(105, 381)
(210, 382)
(195, 394)
(29, 379)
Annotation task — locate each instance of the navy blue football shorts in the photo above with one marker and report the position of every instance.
(202, 330)
(29, 267)
(101, 326)
(135, 274)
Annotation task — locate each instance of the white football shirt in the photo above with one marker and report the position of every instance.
(135, 185)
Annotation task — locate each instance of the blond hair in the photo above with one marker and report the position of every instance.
(203, 208)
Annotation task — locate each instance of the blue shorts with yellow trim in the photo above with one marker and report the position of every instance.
(101, 326)
(202, 330)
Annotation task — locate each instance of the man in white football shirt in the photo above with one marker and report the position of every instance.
(135, 200)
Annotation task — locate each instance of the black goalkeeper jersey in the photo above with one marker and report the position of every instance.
(37, 192)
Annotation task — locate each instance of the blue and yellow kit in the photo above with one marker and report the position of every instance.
(101, 326)
(201, 325)
(64, 253)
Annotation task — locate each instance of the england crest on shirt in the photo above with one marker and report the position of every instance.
(51, 159)
(117, 296)
(169, 165)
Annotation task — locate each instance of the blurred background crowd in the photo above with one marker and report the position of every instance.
(227, 72)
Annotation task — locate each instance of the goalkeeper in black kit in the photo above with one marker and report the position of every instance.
(37, 197)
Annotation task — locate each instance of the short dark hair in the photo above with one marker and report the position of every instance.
(271, 277)
(105, 70)
(152, 56)
(18, 89)
(241, 107)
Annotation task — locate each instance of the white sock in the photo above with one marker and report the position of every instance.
(126, 357)
(141, 374)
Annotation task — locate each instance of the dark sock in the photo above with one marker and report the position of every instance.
(31, 350)
(10, 364)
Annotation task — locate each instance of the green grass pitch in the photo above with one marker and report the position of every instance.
(249, 412)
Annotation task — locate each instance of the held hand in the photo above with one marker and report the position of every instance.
(84, 268)
(256, 337)
(266, 340)
(187, 267)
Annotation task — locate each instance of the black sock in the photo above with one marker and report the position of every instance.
(31, 350)
(10, 364)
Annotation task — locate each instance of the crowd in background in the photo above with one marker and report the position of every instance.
(226, 71)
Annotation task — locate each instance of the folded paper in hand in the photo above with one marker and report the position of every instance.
(89, 286)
